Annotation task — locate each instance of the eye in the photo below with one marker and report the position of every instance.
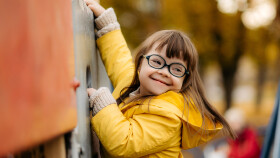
(177, 70)
(156, 62)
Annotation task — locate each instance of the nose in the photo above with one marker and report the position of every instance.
(164, 71)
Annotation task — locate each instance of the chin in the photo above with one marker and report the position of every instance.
(158, 92)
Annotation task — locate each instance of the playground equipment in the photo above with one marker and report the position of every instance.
(44, 45)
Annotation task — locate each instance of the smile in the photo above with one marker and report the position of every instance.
(162, 82)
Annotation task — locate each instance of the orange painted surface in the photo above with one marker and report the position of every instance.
(37, 101)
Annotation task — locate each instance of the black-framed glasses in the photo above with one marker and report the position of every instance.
(158, 62)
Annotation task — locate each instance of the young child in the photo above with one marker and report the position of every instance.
(158, 106)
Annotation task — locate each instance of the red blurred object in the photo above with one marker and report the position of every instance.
(37, 97)
(245, 146)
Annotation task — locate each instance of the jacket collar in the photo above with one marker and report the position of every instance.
(134, 93)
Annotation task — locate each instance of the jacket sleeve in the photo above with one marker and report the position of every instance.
(117, 59)
(138, 136)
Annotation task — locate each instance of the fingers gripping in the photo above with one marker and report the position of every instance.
(96, 8)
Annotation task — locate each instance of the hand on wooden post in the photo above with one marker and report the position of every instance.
(96, 8)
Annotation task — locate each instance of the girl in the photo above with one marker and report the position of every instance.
(160, 106)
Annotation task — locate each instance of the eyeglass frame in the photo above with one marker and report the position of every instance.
(165, 64)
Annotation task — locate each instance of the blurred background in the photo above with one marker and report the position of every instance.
(237, 40)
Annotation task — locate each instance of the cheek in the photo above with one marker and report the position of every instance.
(144, 73)
(144, 68)
(179, 83)
(141, 72)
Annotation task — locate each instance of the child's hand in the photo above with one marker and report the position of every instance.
(90, 91)
(96, 8)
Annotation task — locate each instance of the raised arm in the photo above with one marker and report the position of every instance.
(117, 60)
(112, 46)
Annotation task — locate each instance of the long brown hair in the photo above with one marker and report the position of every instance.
(179, 46)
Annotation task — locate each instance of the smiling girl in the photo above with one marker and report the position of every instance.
(158, 105)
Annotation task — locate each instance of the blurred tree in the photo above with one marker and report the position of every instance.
(257, 42)
(230, 49)
(219, 38)
(263, 46)
(275, 27)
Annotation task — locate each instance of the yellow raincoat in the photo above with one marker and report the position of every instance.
(154, 128)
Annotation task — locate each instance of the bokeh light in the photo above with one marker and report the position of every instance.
(257, 13)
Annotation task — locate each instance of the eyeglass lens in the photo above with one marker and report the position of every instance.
(158, 63)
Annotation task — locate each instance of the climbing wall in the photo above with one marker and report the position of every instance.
(37, 101)
(91, 72)
(43, 46)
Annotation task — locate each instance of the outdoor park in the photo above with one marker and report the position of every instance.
(48, 45)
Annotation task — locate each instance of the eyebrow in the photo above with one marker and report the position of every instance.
(180, 62)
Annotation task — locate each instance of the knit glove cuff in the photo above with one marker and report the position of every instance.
(106, 22)
(100, 99)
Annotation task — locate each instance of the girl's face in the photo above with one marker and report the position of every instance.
(157, 81)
